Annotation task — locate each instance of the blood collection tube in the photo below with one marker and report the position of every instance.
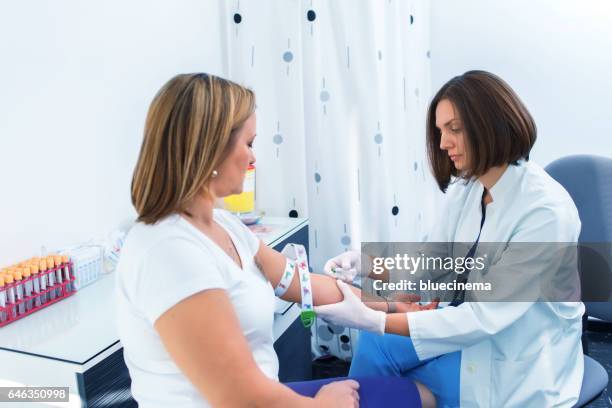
(59, 274)
(28, 287)
(34, 261)
(10, 295)
(51, 277)
(17, 276)
(3, 314)
(35, 283)
(44, 298)
(67, 272)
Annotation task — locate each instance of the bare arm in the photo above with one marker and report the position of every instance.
(324, 289)
(397, 323)
(185, 330)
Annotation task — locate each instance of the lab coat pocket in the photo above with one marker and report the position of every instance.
(511, 379)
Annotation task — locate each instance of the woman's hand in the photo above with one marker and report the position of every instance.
(338, 394)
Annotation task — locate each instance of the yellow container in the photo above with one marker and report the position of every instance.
(245, 201)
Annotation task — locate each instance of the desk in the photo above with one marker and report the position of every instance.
(74, 342)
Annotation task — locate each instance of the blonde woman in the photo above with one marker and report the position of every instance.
(194, 286)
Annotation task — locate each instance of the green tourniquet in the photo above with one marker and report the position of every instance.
(308, 317)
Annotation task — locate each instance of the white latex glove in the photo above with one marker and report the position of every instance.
(352, 312)
(346, 266)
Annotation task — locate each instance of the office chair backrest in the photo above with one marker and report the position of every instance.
(588, 180)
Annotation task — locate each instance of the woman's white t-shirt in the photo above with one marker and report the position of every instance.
(161, 265)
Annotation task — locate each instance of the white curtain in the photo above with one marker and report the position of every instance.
(342, 89)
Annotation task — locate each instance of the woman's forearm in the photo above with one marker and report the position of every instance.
(324, 288)
(397, 323)
(325, 291)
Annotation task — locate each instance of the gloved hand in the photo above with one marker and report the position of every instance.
(352, 312)
(346, 266)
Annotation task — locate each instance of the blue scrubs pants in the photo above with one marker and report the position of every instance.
(394, 356)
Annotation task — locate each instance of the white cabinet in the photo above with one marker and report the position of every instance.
(74, 343)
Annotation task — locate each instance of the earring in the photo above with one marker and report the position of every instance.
(215, 173)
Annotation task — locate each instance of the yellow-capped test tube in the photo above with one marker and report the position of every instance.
(35, 283)
(51, 277)
(42, 278)
(59, 278)
(18, 276)
(10, 294)
(3, 312)
(27, 287)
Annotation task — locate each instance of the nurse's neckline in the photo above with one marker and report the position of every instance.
(489, 180)
(492, 176)
(487, 198)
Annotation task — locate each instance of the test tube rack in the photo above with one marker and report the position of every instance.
(29, 304)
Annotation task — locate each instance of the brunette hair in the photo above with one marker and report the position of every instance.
(497, 126)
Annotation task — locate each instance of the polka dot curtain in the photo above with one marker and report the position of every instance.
(342, 89)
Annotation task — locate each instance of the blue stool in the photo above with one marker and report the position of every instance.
(593, 383)
(588, 180)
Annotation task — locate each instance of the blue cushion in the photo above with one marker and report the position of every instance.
(594, 381)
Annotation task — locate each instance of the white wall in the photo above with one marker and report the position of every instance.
(76, 79)
(556, 54)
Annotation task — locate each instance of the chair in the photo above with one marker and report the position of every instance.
(594, 381)
(588, 180)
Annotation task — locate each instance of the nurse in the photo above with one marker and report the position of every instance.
(487, 354)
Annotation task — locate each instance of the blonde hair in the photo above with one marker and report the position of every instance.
(187, 133)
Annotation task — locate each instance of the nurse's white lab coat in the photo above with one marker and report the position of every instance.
(519, 354)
